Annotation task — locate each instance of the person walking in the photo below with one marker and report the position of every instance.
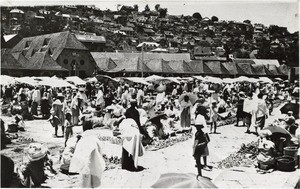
(261, 114)
(68, 128)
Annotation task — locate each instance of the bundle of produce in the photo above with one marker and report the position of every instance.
(113, 140)
(111, 162)
(245, 156)
(160, 144)
(227, 121)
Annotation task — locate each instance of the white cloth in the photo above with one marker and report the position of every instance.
(160, 97)
(249, 105)
(200, 120)
(88, 161)
(99, 98)
(36, 96)
(132, 139)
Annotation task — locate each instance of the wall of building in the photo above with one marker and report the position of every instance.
(83, 61)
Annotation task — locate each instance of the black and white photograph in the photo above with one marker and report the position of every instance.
(150, 94)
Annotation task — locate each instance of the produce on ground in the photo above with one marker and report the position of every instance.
(245, 156)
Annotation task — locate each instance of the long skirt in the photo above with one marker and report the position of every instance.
(34, 107)
(75, 116)
(260, 121)
(127, 161)
(185, 118)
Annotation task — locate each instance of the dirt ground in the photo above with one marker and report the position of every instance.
(177, 158)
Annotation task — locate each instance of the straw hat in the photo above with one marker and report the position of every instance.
(36, 151)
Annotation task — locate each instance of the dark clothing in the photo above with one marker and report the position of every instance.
(22, 97)
(134, 114)
(240, 106)
(127, 161)
(35, 171)
(202, 111)
(45, 107)
(7, 171)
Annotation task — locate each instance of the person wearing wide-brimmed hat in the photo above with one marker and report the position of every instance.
(32, 172)
(200, 148)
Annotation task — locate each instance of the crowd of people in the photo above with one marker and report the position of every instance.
(154, 112)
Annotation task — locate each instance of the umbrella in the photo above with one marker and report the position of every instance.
(156, 79)
(265, 80)
(277, 129)
(6, 80)
(106, 79)
(182, 180)
(157, 116)
(278, 79)
(291, 107)
(193, 98)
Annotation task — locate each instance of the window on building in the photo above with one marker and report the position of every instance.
(82, 62)
(66, 61)
(33, 52)
(46, 41)
(27, 44)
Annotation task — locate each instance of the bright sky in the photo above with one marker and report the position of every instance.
(278, 12)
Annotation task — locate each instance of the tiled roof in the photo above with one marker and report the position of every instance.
(56, 41)
(180, 66)
(213, 67)
(230, 67)
(244, 69)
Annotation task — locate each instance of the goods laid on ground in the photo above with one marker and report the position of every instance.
(111, 162)
(245, 156)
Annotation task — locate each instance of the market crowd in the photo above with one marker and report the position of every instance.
(146, 113)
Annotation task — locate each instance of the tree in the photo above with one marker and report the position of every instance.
(147, 8)
(214, 19)
(197, 15)
(136, 8)
(157, 7)
(163, 12)
(247, 21)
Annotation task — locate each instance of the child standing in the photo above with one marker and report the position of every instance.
(68, 126)
(214, 116)
(200, 148)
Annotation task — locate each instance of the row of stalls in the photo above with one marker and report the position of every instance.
(75, 82)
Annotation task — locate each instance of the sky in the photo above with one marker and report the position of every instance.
(276, 12)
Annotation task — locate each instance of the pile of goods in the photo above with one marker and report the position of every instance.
(156, 144)
(113, 140)
(112, 162)
(228, 121)
(160, 144)
(246, 156)
(24, 140)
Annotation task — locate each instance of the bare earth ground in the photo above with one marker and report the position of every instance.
(177, 158)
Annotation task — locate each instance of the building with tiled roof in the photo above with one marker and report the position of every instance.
(57, 53)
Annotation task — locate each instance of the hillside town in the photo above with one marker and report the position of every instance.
(94, 98)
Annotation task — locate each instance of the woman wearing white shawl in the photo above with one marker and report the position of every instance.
(132, 144)
(88, 162)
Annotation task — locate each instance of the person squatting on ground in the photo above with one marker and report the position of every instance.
(32, 171)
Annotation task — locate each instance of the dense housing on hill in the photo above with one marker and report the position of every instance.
(128, 30)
